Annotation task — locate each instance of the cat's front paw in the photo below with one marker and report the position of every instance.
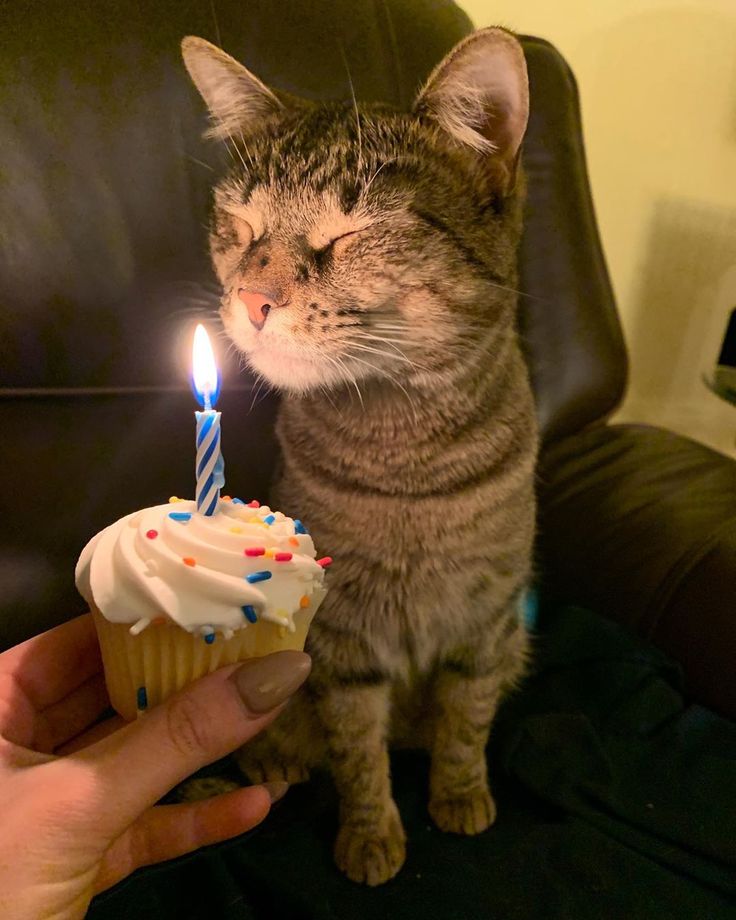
(471, 813)
(203, 787)
(264, 762)
(272, 770)
(370, 857)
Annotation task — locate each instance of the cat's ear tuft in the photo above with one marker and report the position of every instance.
(236, 99)
(479, 95)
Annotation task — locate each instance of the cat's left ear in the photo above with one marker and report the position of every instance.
(479, 94)
(237, 100)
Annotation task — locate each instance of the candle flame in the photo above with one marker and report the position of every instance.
(205, 377)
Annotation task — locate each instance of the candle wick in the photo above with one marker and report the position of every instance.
(207, 401)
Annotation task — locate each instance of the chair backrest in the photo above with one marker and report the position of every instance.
(104, 189)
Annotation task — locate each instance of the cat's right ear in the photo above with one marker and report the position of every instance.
(479, 96)
(237, 100)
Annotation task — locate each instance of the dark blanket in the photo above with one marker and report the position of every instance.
(615, 800)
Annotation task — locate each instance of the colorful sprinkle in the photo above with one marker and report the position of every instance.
(238, 501)
(283, 557)
(254, 504)
(141, 698)
(151, 534)
(236, 530)
(187, 560)
(255, 551)
(180, 516)
(304, 601)
(175, 499)
(257, 520)
(269, 519)
(250, 613)
(325, 561)
(257, 576)
(300, 528)
(270, 553)
(226, 498)
(293, 541)
(209, 638)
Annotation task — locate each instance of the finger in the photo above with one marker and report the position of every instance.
(70, 716)
(168, 831)
(135, 766)
(92, 735)
(48, 667)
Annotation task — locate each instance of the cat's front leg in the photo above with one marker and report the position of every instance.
(469, 687)
(371, 844)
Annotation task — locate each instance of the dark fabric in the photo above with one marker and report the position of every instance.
(640, 524)
(616, 800)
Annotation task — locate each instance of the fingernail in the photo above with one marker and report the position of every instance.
(264, 683)
(276, 790)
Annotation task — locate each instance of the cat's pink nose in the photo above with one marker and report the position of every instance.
(258, 304)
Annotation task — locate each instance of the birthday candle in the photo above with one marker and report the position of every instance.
(210, 466)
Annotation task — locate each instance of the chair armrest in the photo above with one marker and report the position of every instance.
(639, 524)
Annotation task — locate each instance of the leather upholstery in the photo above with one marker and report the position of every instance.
(104, 181)
(640, 523)
(569, 321)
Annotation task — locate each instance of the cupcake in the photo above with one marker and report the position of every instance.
(176, 594)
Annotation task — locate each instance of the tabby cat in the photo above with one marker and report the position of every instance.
(368, 262)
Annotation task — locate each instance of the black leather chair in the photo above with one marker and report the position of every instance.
(104, 181)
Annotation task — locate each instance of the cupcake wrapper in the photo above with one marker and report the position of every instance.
(144, 670)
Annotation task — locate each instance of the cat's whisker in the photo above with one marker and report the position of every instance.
(376, 351)
(232, 145)
(369, 183)
(346, 374)
(400, 355)
(392, 379)
(193, 311)
(354, 381)
(262, 385)
(510, 290)
(232, 349)
(381, 327)
(382, 338)
(357, 114)
(199, 162)
(247, 151)
(385, 354)
(326, 393)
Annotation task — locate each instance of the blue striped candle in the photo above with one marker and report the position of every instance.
(210, 466)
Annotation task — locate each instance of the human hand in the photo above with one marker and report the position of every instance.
(77, 809)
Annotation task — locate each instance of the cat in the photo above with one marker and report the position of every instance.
(367, 258)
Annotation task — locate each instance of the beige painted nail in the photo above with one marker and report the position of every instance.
(264, 683)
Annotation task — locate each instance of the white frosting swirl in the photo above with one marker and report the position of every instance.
(170, 561)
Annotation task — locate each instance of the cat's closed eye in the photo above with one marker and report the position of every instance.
(336, 247)
(243, 230)
(232, 230)
(230, 237)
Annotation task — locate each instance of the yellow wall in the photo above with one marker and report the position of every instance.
(658, 89)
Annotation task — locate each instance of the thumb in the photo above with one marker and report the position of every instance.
(137, 765)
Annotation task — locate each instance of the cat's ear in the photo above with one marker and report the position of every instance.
(235, 98)
(479, 95)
